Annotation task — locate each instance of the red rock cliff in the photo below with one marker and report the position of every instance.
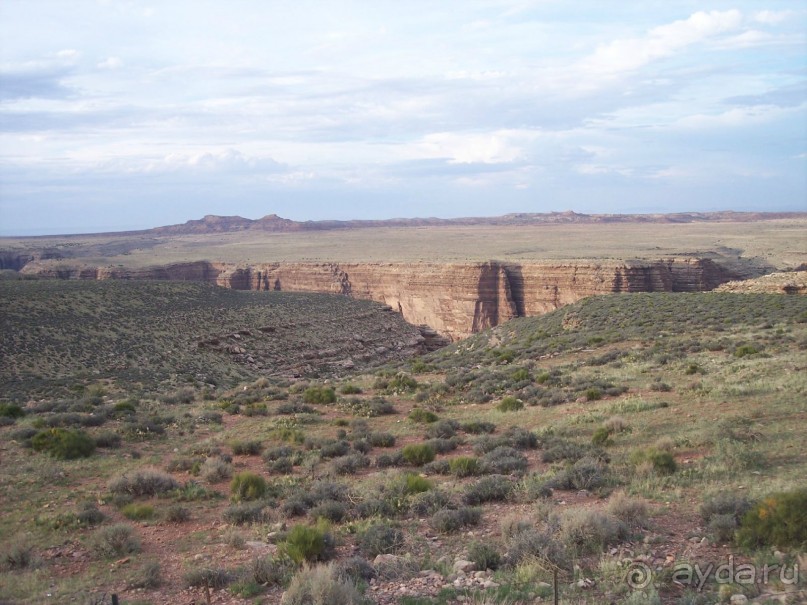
(454, 299)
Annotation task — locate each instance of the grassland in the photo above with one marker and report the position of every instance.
(773, 243)
(620, 433)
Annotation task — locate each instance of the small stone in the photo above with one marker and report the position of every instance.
(464, 566)
(738, 599)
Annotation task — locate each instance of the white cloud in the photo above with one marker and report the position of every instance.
(503, 146)
(110, 63)
(772, 17)
(663, 41)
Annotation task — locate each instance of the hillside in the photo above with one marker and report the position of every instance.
(147, 336)
(616, 440)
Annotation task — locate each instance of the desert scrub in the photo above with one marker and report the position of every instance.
(321, 395)
(350, 389)
(216, 470)
(380, 539)
(442, 429)
(586, 473)
(510, 404)
(145, 482)
(64, 444)
(11, 410)
(241, 514)
(661, 462)
(115, 541)
(138, 512)
(350, 464)
(177, 514)
(206, 577)
(320, 585)
(418, 454)
(777, 520)
(477, 427)
(246, 448)
(503, 460)
(484, 556)
(630, 511)
(307, 543)
(589, 531)
(377, 439)
(247, 486)
(18, 554)
(401, 383)
(275, 570)
(450, 520)
(494, 488)
(601, 437)
(464, 466)
(422, 416)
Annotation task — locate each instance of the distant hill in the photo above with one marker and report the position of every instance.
(276, 224)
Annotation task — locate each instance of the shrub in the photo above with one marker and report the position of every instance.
(389, 460)
(428, 503)
(441, 445)
(586, 473)
(443, 429)
(145, 482)
(276, 570)
(381, 439)
(246, 448)
(422, 416)
(616, 424)
(380, 539)
(530, 543)
(18, 555)
(778, 520)
(484, 556)
(108, 439)
(240, 514)
(330, 511)
(402, 383)
(662, 462)
(448, 520)
(89, 515)
(64, 444)
(209, 578)
(115, 541)
(138, 512)
(589, 530)
(593, 394)
(192, 492)
(510, 404)
(601, 437)
(321, 395)
(147, 576)
(418, 454)
(745, 350)
(350, 464)
(216, 470)
(477, 427)
(11, 410)
(464, 466)
(320, 585)
(305, 543)
(725, 503)
(350, 389)
(177, 514)
(247, 486)
(631, 511)
(488, 489)
(334, 449)
(503, 460)
(355, 569)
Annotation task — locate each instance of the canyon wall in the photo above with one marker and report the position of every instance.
(453, 299)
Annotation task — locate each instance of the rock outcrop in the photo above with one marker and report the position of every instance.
(453, 299)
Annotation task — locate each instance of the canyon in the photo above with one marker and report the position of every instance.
(453, 300)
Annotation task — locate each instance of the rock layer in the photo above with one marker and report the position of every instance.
(453, 299)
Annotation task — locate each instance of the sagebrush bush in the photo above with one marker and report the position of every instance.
(11, 410)
(247, 486)
(586, 473)
(510, 404)
(330, 510)
(206, 577)
(477, 427)
(216, 470)
(350, 389)
(322, 395)
(423, 416)
(177, 514)
(503, 460)
(381, 439)
(275, 570)
(350, 464)
(246, 448)
(451, 520)
(662, 462)
(240, 514)
(64, 444)
(380, 539)
(725, 503)
(777, 520)
(321, 585)
(115, 541)
(402, 383)
(418, 454)
(442, 429)
(18, 554)
(631, 511)
(494, 488)
(145, 482)
(484, 556)
(590, 530)
(601, 436)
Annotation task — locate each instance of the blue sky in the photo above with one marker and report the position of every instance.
(124, 114)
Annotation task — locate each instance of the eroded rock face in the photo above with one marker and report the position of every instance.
(453, 299)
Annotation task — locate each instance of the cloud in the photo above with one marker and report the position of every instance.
(772, 17)
(38, 83)
(110, 63)
(630, 54)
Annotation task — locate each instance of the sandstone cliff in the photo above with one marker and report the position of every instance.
(455, 300)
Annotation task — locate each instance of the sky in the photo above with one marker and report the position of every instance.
(125, 114)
